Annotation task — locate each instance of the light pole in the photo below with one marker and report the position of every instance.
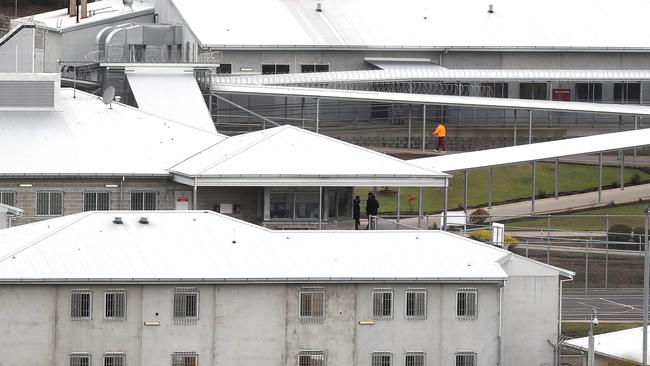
(646, 275)
(592, 322)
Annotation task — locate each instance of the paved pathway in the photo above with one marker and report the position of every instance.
(613, 304)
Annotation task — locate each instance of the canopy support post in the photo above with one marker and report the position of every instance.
(397, 210)
(465, 194)
(445, 205)
(317, 113)
(195, 194)
(490, 187)
(557, 173)
(408, 142)
(530, 126)
(424, 126)
(622, 152)
(320, 207)
(600, 177)
(420, 207)
(532, 201)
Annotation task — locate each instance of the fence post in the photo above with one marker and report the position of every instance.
(548, 239)
(606, 247)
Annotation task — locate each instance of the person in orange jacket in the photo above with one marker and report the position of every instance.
(440, 133)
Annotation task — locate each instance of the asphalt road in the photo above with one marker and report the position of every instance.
(620, 304)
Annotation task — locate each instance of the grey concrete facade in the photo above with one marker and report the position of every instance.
(260, 324)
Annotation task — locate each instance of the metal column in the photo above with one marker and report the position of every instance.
(465, 195)
(606, 247)
(490, 187)
(622, 170)
(420, 207)
(636, 126)
(398, 205)
(557, 173)
(445, 205)
(515, 129)
(320, 207)
(302, 111)
(532, 201)
(530, 126)
(317, 113)
(600, 177)
(408, 143)
(646, 278)
(424, 126)
(195, 194)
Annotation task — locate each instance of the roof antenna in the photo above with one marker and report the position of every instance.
(491, 9)
(319, 7)
(108, 96)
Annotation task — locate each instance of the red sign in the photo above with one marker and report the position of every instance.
(563, 95)
(182, 199)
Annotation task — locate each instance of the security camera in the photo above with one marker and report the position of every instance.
(595, 321)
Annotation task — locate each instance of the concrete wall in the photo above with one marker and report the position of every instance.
(248, 324)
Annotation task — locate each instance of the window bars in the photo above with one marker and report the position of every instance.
(465, 359)
(8, 198)
(416, 304)
(81, 304)
(115, 304)
(466, 303)
(311, 358)
(312, 305)
(414, 359)
(185, 359)
(79, 359)
(146, 201)
(382, 304)
(186, 305)
(114, 359)
(382, 359)
(49, 203)
(97, 201)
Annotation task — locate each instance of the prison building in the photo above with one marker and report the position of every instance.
(157, 287)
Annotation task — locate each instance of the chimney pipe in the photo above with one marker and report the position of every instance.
(319, 7)
(491, 9)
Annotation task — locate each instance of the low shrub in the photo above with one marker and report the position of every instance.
(619, 232)
(481, 235)
(511, 241)
(638, 234)
(636, 179)
(479, 216)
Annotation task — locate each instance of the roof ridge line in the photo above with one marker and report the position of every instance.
(47, 235)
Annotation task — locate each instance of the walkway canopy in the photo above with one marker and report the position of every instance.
(290, 156)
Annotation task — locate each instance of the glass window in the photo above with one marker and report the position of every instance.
(589, 92)
(466, 303)
(97, 201)
(81, 304)
(275, 69)
(312, 305)
(532, 91)
(494, 90)
(115, 304)
(224, 69)
(382, 304)
(114, 359)
(465, 359)
(8, 198)
(315, 68)
(185, 359)
(311, 358)
(416, 304)
(306, 205)
(79, 359)
(186, 305)
(49, 203)
(282, 205)
(627, 92)
(382, 359)
(332, 204)
(414, 359)
(344, 202)
(143, 201)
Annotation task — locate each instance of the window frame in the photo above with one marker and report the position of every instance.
(13, 193)
(96, 194)
(49, 203)
(594, 92)
(311, 319)
(375, 358)
(221, 71)
(415, 291)
(465, 315)
(460, 361)
(185, 292)
(275, 68)
(180, 358)
(144, 193)
(118, 355)
(74, 312)
(623, 91)
(312, 353)
(383, 291)
(74, 358)
(415, 362)
(123, 306)
(315, 66)
(503, 89)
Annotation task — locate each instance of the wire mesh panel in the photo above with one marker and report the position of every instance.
(186, 305)
(49, 203)
(466, 303)
(382, 359)
(144, 201)
(8, 198)
(185, 359)
(312, 305)
(114, 359)
(79, 359)
(115, 304)
(311, 358)
(414, 359)
(382, 304)
(97, 201)
(466, 359)
(416, 304)
(81, 304)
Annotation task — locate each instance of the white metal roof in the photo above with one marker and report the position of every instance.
(449, 100)
(515, 24)
(105, 11)
(292, 156)
(626, 345)
(89, 138)
(170, 93)
(536, 151)
(199, 246)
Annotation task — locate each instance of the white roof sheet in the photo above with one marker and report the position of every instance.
(88, 138)
(105, 11)
(206, 246)
(171, 95)
(536, 151)
(449, 100)
(290, 155)
(418, 23)
(623, 345)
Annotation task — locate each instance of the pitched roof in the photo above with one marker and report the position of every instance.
(290, 155)
(197, 246)
(89, 138)
(626, 345)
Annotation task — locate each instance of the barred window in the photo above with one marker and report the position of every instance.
(185, 359)
(143, 201)
(114, 359)
(8, 198)
(466, 303)
(465, 359)
(311, 358)
(382, 359)
(416, 304)
(115, 304)
(81, 304)
(186, 305)
(79, 359)
(97, 201)
(382, 303)
(49, 203)
(414, 359)
(312, 305)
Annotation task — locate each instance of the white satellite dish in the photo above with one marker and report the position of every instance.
(109, 94)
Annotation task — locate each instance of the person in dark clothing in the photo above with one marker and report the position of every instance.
(356, 212)
(372, 207)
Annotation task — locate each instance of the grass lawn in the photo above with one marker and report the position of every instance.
(581, 221)
(508, 183)
(578, 330)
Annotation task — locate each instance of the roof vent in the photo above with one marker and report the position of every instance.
(143, 220)
(319, 7)
(491, 9)
(117, 220)
(127, 6)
